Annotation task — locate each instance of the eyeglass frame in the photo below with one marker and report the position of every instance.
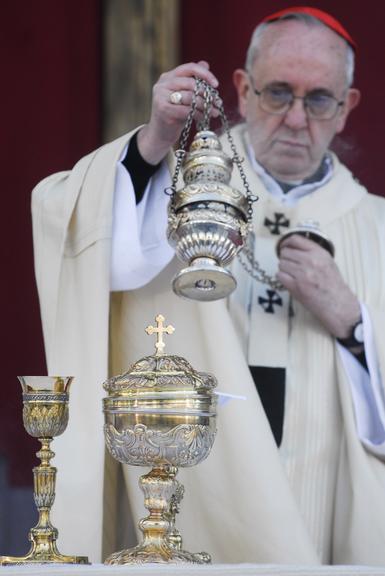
(340, 103)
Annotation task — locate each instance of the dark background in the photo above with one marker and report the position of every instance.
(51, 98)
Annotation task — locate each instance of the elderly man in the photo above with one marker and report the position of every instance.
(296, 473)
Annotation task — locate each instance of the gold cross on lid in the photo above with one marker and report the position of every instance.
(159, 331)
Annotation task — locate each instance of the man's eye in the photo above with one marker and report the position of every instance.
(319, 99)
(277, 98)
(279, 93)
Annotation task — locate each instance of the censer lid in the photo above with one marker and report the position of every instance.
(205, 140)
(160, 372)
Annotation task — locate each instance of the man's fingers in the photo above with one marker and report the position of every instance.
(190, 70)
(299, 242)
(286, 280)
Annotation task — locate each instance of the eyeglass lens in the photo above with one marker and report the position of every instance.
(277, 100)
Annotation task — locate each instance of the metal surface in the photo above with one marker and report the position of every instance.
(161, 413)
(309, 229)
(45, 415)
(206, 277)
(208, 218)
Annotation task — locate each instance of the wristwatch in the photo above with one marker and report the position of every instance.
(356, 337)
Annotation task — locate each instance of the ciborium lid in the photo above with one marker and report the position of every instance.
(160, 373)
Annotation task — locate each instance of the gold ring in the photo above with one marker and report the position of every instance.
(175, 98)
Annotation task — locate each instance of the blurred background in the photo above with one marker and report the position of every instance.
(78, 73)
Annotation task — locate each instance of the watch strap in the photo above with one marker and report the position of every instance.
(351, 341)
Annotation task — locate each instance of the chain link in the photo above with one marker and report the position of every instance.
(251, 198)
(210, 97)
(252, 267)
(181, 150)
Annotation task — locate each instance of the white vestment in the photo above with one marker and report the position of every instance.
(321, 496)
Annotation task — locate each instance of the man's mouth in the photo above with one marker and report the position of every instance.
(292, 144)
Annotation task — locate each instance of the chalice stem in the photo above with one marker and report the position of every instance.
(43, 536)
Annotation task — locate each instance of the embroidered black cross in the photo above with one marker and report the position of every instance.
(274, 299)
(274, 226)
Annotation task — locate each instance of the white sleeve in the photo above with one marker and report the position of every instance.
(140, 249)
(367, 391)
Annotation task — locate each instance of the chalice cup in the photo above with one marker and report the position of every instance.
(161, 414)
(45, 415)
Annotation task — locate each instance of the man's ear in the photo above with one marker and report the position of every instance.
(352, 100)
(242, 85)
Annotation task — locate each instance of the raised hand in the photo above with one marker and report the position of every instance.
(312, 277)
(168, 118)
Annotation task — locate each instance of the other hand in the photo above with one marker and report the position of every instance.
(167, 119)
(312, 277)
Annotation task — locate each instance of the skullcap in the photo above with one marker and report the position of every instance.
(322, 16)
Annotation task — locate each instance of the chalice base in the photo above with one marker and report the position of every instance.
(40, 557)
(204, 280)
(162, 554)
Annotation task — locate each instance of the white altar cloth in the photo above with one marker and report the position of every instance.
(194, 570)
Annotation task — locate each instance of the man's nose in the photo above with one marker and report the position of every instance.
(296, 117)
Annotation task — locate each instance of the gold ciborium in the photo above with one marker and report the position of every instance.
(162, 414)
(45, 415)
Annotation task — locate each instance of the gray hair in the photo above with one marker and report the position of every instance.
(255, 42)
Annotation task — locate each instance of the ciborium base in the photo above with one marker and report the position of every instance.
(160, 489)
(161, 554)
(204, 280)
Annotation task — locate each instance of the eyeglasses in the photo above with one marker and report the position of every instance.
(278, 99)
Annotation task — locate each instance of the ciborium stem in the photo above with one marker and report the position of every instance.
(159, 487)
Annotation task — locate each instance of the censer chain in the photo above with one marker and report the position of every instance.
(253, 269)
(210, 95)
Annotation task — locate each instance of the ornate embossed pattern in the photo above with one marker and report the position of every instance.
(211, 173)
(45, 420)
(183, 445)
(168, 371)
(44, 482)
(219, 193)
(211, 188)
(38, 397)
(140, 555)
(198, 243)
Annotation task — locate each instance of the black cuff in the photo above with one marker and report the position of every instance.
(139, 170)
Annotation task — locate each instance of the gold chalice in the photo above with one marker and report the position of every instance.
(161, 413)
(45, 415)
